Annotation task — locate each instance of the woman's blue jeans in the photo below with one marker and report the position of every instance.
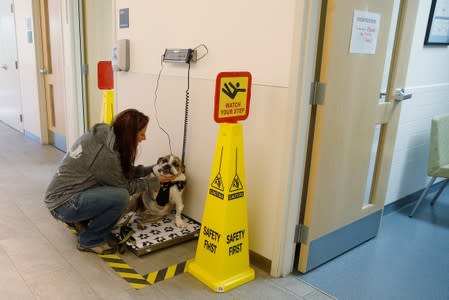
(102, 206)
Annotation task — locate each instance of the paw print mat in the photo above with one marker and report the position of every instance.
(157, 235)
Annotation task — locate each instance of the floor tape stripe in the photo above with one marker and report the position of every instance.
(113, 260)
(118, 265)
(170, 271)
(113, 256)
(131, 275)
(161, 275)
(125, 271)
(180, 268)
(139, 286)
(151, 277)
(137, 280)
(132, 271)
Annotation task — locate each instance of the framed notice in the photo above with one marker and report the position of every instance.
(437, 32)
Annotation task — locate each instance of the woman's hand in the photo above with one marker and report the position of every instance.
(166, 178)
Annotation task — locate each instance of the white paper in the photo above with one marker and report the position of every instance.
(440, 27)
(365, 30)
(442, 9)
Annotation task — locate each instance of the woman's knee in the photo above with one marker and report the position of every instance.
(121, 198)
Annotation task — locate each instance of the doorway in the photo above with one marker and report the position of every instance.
(10, 96)
(52, 71)
(354, 124)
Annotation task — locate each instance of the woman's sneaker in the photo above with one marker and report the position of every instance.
(77, 227)
(101, 249)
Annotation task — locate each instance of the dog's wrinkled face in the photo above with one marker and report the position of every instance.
(170, 165)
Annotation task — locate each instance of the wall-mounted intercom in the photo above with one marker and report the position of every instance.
(179, 55)
(120, 55)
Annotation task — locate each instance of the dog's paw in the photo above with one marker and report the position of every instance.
(180, 222)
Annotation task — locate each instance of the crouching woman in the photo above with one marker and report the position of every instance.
(93, 182)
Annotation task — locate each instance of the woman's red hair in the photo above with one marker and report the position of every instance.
(126, 126)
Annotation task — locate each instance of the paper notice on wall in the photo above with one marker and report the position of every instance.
(365, 30)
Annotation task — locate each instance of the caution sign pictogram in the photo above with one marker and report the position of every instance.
(232, 95)
(222, 256)
(236, 184)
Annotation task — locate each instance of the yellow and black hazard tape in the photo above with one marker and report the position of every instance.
(125, 271)
(136, 280)
(167, 273)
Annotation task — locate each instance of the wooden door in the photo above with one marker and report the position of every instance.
(53, 70)
(354, 129)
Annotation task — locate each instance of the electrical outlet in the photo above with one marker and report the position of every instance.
(179, 55)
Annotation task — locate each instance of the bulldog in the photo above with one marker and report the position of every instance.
(150, 207)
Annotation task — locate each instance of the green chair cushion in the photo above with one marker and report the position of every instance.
(439, 147)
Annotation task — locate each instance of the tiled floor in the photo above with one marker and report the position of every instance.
(39, 260)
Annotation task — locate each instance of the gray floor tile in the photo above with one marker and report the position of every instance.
(13, 286)
(102, 279)
(33, 256)
(61, 284)
(294, 285)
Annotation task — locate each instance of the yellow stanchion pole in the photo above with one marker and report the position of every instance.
(107, 107)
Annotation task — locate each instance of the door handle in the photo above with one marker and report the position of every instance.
(4, 67)
(400, 95)
(43, 70)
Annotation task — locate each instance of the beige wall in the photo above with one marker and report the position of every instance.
(98, 46)
(238, 38)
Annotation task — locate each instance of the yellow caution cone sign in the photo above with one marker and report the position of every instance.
(222, 256)
(107, 108)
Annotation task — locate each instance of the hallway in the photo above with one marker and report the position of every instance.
(39, 258)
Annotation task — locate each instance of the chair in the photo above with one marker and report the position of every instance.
(438, 156)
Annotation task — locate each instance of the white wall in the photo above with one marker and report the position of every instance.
(74, 114)
(428, 80)
(238, 38)
(27, 68)
(98, 46)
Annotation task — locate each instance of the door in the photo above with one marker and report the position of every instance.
(10, 98)
(53, 71)
(354, 129)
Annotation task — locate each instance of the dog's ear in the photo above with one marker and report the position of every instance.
(159, 160)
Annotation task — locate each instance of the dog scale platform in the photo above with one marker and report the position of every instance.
(155, 235)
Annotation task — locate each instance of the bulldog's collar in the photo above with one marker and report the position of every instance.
(162, 197)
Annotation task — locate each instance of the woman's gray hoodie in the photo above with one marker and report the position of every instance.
(92, 161)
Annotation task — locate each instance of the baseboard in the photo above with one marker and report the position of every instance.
(57, 140)
(397, 205)
(32, 136)
(260, 261)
